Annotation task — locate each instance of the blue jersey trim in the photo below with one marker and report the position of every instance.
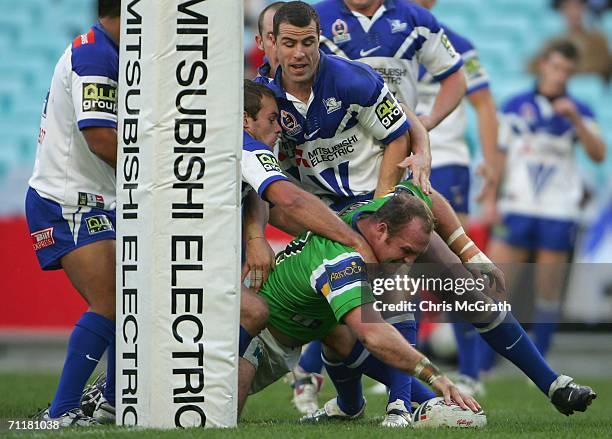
(478, 87)
(104, 123)
(397, 133)
(250, 144)
(449, 72)
(267, 182)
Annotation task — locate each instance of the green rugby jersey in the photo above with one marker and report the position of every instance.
(317, 281)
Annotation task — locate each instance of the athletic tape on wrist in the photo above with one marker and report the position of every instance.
(456, 234)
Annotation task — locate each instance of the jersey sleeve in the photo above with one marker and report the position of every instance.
(384, 117)
(511, 126)
(476, 76)
(260, 168)
(436, 52)
(94, 87)
(343, 281)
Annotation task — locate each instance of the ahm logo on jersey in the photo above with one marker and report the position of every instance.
(98, 224)
(346, 272)
(388, 111)
(101, 98)
(269, 162)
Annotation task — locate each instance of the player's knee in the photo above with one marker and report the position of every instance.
(254, 314)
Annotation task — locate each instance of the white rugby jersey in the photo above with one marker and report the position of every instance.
(398, 37)
(541, 177)
(259, 167)
(333, 145)
(447, 140)
(83, 94)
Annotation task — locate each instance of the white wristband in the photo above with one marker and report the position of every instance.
(466, 247)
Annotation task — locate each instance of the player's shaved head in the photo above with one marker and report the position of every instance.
(297, 14)
(109, 8)
(402, 209)
(272, 7)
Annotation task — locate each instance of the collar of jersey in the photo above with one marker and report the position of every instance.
(536, 92)
(277, 84)
(98, 26)
(389, 5)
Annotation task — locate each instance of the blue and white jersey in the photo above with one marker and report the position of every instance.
(263, 73)
(541, 177)
(448, 143)
(333, 145)
(259, 167)
(398, 37)
(83, 94)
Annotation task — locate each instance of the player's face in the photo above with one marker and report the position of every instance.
(265, 41)
(405, 246)
(555, 71)
(265, 127)
(297, 50)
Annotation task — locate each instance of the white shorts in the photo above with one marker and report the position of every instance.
(271, 359)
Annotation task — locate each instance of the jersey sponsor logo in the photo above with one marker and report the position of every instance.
(448, 45)
(307, 322)
(388, 111)
(91, 200)
(98, 224)
(332, 104)
(364, 53)
(540, 175)
(397, 26)
(99, 98)
(346, 272)
(269, 162)
(340, 32)
(42, 238)
(473, 67)
(392, 76)
(88, 38)
(290, 123)
(324, 154)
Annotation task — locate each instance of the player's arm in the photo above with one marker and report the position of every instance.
(486, 113)
(388, 345)
(102, 141)
(419, 160)
(452, 90)
(309, 212)
(390, 173)
(592, 143)
(260, 258)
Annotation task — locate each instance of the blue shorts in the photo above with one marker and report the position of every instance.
(57, 230)
(537, 233)
(453, 182)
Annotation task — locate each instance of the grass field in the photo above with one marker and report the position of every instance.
(513, 409)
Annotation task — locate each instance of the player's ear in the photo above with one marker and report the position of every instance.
(259, 42)
(245, 120)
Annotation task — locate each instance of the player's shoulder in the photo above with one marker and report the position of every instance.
(95, 54)
(363, 84)
(460, 43)
(251, 144)
(514, 103)
(415, 14)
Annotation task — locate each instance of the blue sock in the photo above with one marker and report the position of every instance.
(420, 392)
(510, 340)
(468, 342)
(544, 324)
(347, 382)
(88, 341)
(486, 355)
(243, 341)
(311, 361)
(401, 382)
(109, 391)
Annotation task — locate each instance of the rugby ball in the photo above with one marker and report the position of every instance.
(435, 413)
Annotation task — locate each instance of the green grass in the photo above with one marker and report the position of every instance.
(513, 409)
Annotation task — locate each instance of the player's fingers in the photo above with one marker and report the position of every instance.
(406, 163)
(245, 272)
(256, 278)
(500, 281)
(472, 404)
(425, 183)
(458, 398)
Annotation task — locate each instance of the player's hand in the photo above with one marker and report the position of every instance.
(260, 260)
(489, 182)
(566, 108)
(489, 215)
(420, 165)
(449, 391)
(482, 267)
(366, 252)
